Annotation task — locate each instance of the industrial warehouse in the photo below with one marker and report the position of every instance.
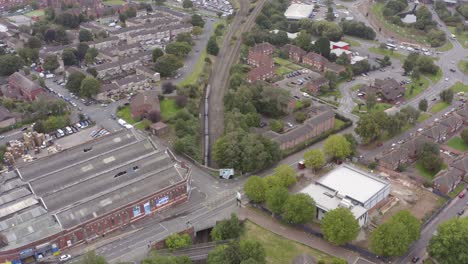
(85, 192)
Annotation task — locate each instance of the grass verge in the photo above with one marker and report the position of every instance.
(356, 87)
(278, 249)
(460, 87)
(390, 53)
(416, 87)
(197, 70)
(461, 37)
(35, 13)
(458, 144)
(126, 114)
(435, 78)
(448, 46)
(339, 123)
(439, 106)
(423, 117)
(463, 66)
(456, 191)
(168, 109)
(114, 2)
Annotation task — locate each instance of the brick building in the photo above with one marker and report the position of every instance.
(52, 204)
(315, 60)
(294, 52)
(259, 59)
(143, 103)
(315, 85)
(25, 88)
(261, 73)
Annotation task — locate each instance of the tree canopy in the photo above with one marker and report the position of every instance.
(90, 87)
(177, 240)
(451, 241)
(85, 35)
(51, 63)
(339, 226)
(276, 196)
(227, 229)
(167, 64)
(299, 208)
(255, 188)
(9, 64)
(314, 159)
(285, 174)
(337, 147)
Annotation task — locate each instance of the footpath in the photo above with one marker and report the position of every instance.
(270, 224)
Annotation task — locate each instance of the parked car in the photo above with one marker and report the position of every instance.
(65, 257)
(415, 259)
(461, 195)
(461, 212)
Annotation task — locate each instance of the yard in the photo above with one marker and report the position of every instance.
(439, 107)
(413, 89)
(282, 70)
(459, 87)
(287, 64)
(126, 114)
(458, 144)
(429, 175)
(390, 53)
(463, 66)
(278, 249)
(35, 13)
(168, 109)
(379, 107)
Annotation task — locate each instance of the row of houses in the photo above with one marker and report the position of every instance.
(312, 59)
(260, 57)
(321, 119)
(437, 132)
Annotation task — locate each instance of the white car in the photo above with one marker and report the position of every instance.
(446, 79)
(420, 129)
(65, 257)
(305, 94)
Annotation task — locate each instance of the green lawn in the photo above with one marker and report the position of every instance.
(282, 70)
(352, 42)
(416, 87)
(448, 46)
(439, 107)
(456, 191)
(458, 144)
(390, 53)
(192, 78)
(435, 78)
(402, 31)
(287, 64)
(35, 13)
(280, 250)
(114, 2)
(423, 117)
(126, 114)
(462, 37)
(425, 173)
(379, 107)
(463, 66)
(460, 87)
(168, 109)
(339, 123)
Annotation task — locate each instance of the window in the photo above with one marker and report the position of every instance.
(136, 211)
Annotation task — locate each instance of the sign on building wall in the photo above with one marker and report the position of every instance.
(147, 208)
(162, 201)
(136, 211)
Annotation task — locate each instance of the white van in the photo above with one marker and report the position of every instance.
(69, 130)
(60, 133)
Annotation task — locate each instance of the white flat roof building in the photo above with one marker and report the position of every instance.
(298, 11)
(339, 51)
(350, 187)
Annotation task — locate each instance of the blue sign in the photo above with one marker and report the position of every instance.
(136, 211)
(147, 208)
(162, 201)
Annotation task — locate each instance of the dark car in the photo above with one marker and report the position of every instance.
(452, 70)
(263, 124)
(461, 212)
(24, 129)
(415, 259)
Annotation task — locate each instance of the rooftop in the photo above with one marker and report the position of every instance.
(298, 11)
(352, 182)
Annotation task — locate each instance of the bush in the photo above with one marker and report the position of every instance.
(168, 88)
(181, 101)
(300, 117)
(175, 241)
(276, 125)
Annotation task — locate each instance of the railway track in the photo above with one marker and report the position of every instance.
(213, 117)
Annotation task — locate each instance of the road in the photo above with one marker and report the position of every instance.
(419, 248)
(225, 59)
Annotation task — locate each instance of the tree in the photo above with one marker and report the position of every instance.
(85, 35)
(69, 57)
(286, 175)
(9, 64)
(412, 224)
(167, 64)
(28, 55)
(197, 31)
(430, 157)
(51, 63)
(197, 21)
(252, 250)
(212, 46)
(464, 135)
(187, 4)
(177, 240)
(361, 67)
(81, 50)
(303, 40)
(184, 37)
(157, 52)
(314, 159)
(339, 226)
(34, 43)
(168, 87)
(154, 116)
(332, 79)
(122, 17)
(368, 128)
(91, 258)
(371, 101)
(299, 208)
(447, 96)
(227, 229)
(422, 105)
(337, 147)
(92, 71)
(390, 239)
(90, 86)
(180, 49)
(276, 125)
(353, 143)
(451, 241)
(91, 55)
(74, 82)
(276, 196)
(322, 46)
(131, 12)
(255, 189)
(156, 259)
